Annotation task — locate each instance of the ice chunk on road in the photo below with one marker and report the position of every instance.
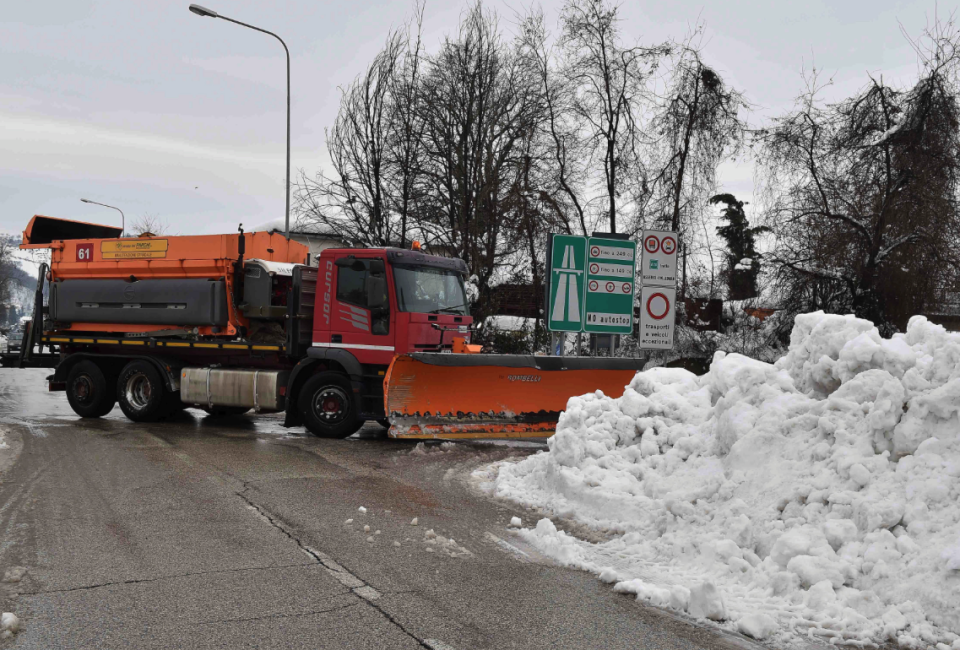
(362, 510)
(414, 522)
(516, 522)
(821, 492)
(14, 574)
(9, 622)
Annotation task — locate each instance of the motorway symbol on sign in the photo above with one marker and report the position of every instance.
(657, 317)
(565, 300)
(659, 264)
(611, 270)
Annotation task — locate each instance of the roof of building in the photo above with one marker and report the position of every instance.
(298, 227)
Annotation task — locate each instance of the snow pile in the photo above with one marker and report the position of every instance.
(817, 496)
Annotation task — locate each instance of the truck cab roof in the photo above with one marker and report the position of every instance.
(402, 256)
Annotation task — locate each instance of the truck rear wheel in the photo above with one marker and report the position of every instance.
(88, 392)
(141, 393)
(327, 406)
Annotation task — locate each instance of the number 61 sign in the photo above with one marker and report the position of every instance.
(85, 252)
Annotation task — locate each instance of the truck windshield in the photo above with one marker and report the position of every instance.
(427, 290)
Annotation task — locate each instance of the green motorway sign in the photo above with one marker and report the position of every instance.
(611, 273)
(566, 264)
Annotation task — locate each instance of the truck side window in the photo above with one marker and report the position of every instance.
(350, 285)
(362, 288)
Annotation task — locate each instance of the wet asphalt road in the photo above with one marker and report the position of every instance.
(198, 533)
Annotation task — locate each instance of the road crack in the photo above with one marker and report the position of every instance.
(136, 581)
(342, 575)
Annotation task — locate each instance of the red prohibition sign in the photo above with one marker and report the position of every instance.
(594, 268)
(668, 245)
(652, 244)
(595, 251)
(626, 287)
(666, 303)
(594, 285)
(610, 287)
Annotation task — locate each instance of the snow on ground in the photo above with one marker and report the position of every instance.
(814, 497)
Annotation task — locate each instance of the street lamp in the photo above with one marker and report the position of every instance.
(123, 219)
(210, 13)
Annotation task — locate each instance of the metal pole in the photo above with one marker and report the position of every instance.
(123, 219)
(202, 11)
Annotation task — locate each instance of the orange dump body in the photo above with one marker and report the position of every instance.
(151, 258)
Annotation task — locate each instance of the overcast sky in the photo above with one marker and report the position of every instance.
(148, 107)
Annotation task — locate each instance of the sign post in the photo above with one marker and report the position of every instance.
(566, 265)
(611, 273)
(657, 317)
(659, 265)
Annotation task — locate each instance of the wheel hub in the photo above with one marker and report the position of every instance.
(331, 404)
(138, 391)
(83, 389)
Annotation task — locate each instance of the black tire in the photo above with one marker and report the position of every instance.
(327, 406)
(225, 411)
(141, 393)
(384, 422)
(88, 391)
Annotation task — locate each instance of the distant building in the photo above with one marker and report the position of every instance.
(315, 236)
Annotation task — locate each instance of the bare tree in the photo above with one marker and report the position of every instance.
(863, 193)
(352, 201)
(608, 86)
(701, 124)
(405, 135)
(149, 224)
(565, 156)
(479, 105)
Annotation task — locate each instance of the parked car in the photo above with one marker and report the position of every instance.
(15, 341)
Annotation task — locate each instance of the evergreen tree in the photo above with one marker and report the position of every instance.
(743, 261)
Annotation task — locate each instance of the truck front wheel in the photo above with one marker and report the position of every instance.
(141, 392)
(327, 406)
(88, 392)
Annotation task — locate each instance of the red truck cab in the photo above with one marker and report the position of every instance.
(371, 305)
(379, 302)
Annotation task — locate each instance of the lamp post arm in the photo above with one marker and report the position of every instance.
(123, 218)
(287, 51)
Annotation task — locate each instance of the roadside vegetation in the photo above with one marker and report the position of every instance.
(512, 127)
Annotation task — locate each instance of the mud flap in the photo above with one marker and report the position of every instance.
(452, 396)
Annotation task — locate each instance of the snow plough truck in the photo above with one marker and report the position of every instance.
(234, 322)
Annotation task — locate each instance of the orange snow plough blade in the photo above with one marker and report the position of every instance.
(430, 395)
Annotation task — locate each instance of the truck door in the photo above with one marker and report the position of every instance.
(360, 313)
